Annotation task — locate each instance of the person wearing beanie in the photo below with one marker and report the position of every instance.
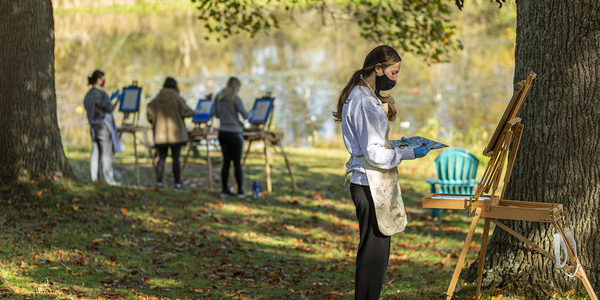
(166, 113)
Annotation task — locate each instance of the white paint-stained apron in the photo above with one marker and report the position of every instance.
(387, 197)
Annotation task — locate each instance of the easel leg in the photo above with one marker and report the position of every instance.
(209, 166)
(149, 148)
(573, 258)
(522, 238)
(189, 152)
(267, 165)
(289, 168)
(463, 254)
(486, 229)
(246, 153)
(588, 287)
(137, 166)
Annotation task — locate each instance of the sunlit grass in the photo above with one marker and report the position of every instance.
(87, 241)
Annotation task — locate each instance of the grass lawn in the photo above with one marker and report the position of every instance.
(81, 240)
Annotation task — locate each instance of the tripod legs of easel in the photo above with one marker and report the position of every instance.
(276, 143)
(463, 254)
(579, 272)
(144, 141)
(484, 239)
(193, 143)
(288, 166)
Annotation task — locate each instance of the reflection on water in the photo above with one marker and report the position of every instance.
(305, 66)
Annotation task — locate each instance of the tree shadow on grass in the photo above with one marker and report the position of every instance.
(91, 240)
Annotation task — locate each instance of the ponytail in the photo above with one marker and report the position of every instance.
(354, 81)
(94, 78)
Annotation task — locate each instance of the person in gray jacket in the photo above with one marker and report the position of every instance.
(227, 108)
(97, 104)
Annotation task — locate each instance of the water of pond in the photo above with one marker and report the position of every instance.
(304, 66)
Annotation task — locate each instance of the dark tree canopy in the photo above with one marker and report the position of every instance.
(420, 26)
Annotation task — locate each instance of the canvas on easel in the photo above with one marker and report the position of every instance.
(262, 110)
(204, 111)
(130, 107)
(502, 150)
(130, 102)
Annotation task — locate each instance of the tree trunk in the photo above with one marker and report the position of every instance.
(559, 156)
(30, 143)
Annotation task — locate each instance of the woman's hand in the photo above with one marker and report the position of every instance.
(114, 95)
(421, 151)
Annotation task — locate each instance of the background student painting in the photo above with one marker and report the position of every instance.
(98, 106)
(228, 106)
(166, 113)
(365, 115)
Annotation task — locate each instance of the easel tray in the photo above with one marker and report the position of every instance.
(492, 207)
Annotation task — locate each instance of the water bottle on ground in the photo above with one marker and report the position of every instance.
(255, 190)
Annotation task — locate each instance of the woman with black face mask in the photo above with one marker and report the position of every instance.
(365, 115)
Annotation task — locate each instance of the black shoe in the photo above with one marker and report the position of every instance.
(226, 194)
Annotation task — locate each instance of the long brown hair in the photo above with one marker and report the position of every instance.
(229, 92)
(384, 55)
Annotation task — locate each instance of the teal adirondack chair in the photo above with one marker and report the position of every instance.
(455, 169)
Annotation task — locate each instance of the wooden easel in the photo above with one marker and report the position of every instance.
(201, 131)
(131, 126)
(504, 145)
(258, 132)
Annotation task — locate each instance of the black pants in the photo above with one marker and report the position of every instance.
(163, 151)
(374, 248)
(232, 144)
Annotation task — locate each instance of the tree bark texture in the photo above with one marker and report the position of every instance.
(559, 156)
(30, 143)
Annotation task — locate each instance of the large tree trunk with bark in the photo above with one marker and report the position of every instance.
(30, 144)
(559, 156)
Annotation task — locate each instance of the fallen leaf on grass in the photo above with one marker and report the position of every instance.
(318, 196)
(153, 188)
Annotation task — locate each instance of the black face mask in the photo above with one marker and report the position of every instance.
(384, 83)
